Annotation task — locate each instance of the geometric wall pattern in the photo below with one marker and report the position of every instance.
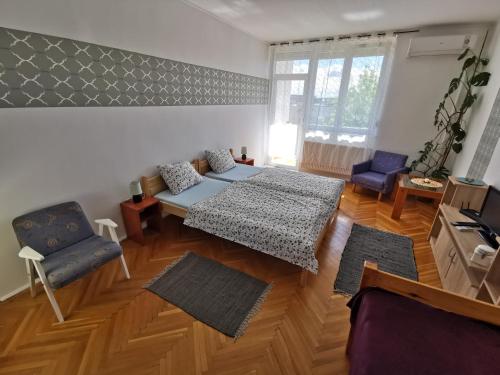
(44, 71)
(487, 143)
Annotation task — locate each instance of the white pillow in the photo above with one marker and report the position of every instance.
(220, 160)
(179, 176)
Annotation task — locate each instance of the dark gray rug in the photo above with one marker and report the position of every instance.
(393, 253)
(223, 298)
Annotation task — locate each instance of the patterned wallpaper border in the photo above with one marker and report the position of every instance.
(487, 143)
(45, 71)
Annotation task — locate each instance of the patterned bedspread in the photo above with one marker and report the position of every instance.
(305, 184)
(276, 222)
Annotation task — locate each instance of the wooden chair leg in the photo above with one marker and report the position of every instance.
(124, 266)
(53, 302)
(380, 196)
(48, 290)
(31, 277)
(353, 188)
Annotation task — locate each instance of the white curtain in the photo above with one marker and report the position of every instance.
(344, 88)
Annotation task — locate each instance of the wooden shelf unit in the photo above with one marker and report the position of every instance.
(453, 249)
(460, 195)
(452, 252)
(489, 290)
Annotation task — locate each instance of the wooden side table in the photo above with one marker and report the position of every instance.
(247, 161)
(134, 214)
(406, 187)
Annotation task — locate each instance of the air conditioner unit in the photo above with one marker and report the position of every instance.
(440, 45)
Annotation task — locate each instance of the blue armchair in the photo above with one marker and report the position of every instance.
(379, 173)
(59, 243)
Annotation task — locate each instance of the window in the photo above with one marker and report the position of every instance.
(289, 102)
(331, 92)
(325, 103)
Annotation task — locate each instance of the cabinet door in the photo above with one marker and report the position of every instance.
(456, 279)
(443, 253)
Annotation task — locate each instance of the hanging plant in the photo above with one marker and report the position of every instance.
(449, 119)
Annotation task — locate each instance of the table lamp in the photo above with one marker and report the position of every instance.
(243, 152)
(136, 191)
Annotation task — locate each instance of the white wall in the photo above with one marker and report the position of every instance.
(480, 117)
(49, 155)
(416, 87)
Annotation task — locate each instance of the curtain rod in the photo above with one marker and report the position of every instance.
(344, 37)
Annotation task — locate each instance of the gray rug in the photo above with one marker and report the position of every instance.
(223, 298)
(393, 253)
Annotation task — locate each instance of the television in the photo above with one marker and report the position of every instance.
(489, 217)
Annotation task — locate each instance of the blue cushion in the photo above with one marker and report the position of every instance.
(385, 162)
(194, 194)
(73, 262)
(238, 173)
(372, 180)
(53, 228)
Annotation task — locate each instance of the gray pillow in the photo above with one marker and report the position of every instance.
(220, 160)
(179, 176)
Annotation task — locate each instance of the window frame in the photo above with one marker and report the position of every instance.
(315, 52)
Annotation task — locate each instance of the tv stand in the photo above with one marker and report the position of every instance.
(453, 249)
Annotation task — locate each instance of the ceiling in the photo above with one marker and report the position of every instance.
(283, 20)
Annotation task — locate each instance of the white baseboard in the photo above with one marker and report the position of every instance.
(16, 291)
(27, 285)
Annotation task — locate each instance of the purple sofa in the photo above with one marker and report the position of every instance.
(379, 173)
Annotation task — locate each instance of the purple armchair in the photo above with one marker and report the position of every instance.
(380, 173)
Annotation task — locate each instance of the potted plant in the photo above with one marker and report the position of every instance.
(449, 119)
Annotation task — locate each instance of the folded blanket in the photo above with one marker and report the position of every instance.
(305, 184)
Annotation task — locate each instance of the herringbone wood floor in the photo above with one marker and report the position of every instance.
(115, 326)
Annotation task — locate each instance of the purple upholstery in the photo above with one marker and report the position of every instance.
(394, 335)
(370, 179)
(385, 162)
(380, 173)
(361, 167)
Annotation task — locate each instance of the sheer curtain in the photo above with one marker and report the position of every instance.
(339, 90)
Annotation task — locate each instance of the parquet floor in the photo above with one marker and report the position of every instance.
(116, 327)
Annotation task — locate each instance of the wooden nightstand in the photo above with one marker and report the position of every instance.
(247, 161)
(135, 213)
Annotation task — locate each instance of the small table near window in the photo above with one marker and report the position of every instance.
(405, 187)
(134, 214)
(247, 161)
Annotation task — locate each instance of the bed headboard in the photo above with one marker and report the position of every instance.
(203, 166)
(155, 184)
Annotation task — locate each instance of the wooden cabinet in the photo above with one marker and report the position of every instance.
(460, 195)
(451, 271)
(247, 161)
(456, 279)
(134, 214)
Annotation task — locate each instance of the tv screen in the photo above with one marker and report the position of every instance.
(490, 212)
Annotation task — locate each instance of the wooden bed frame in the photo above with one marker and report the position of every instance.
(155, 184)
(430, 295)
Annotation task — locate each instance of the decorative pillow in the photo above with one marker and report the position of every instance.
(179, 176)
(220, 160)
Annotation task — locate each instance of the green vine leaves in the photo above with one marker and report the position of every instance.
(449, 117)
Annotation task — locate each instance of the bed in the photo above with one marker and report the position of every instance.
(238, 173)
(204, 190)
(276, 222)
(290, 181)
(400, 326)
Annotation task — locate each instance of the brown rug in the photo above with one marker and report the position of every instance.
(223, 298)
